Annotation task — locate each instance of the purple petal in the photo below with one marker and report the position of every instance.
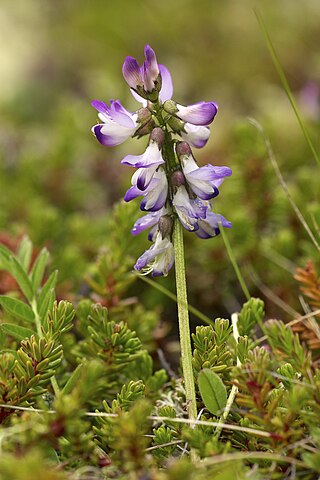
(147, 257)
(154, 204)
(166, 91)
(151, 156)
(209, 227)
(147, 221)
(206, 192)
(162, 252)
(101, 107)
(148, 80)
(209, 172)
(145, 177)
(132, 193)
(106, 140)
(111, 134)
(197, 135)
(201, 113)
(120, 115)
(131, 72)
(203, 233)
(189, 211)
(152, 62)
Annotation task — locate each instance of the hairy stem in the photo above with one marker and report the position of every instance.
(183, 317)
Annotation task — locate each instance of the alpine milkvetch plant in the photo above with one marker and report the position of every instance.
(175, 191)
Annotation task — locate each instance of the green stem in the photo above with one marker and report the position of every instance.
(183, 317)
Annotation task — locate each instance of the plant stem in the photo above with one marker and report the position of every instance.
(183, 317)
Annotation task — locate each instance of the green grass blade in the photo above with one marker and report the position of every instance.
(173, 297)
(285, 84)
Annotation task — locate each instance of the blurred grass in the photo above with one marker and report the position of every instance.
(59, 185)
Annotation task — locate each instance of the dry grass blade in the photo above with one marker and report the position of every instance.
(309, 283)
(271, 295)
(229, 457)
(283, 183)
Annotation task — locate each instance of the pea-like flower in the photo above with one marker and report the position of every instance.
(197, 135)
(204, 181)
(201, 113)
(148, 221)
(118, 124)
(155, 194)
(210, 225)
(188, 210)
(158, 259)
(145, 76)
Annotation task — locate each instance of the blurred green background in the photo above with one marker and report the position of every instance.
(58, 185)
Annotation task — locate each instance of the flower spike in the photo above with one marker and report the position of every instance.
(167, 177)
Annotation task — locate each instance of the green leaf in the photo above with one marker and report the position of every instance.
(17, 308)
(21, 277)
(47, 296)
(5, 255)
(38, 269)
(25, 253)
(72, 380)
(212, 390)
(16, 331)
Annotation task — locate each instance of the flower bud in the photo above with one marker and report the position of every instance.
(144, 115)
(183, 149)
(165, 225)
(157, 135)
(145, 121)
(176, 124)
(177, 179)
(145, 129)
(170, 107)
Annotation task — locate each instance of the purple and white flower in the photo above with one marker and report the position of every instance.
(189, 210)
(204, 181)
(148, 162)
(155, 194)
(118, 123)
(210, 225)
(148, 77)
(148, 221)
(197, 135)
(201, 113)
(158, 259)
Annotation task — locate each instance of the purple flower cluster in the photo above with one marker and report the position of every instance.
(167, 176)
